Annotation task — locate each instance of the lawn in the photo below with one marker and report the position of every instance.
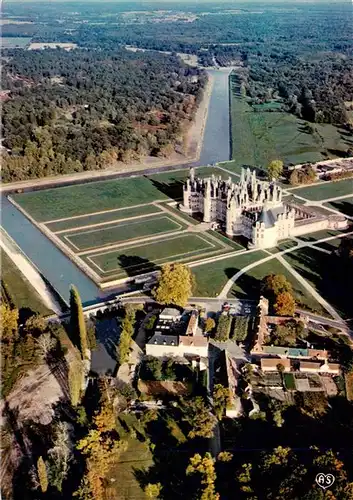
(58, 203)
(289, 381)
(19, 291)
(325, 190)
(68, 201)
(248, 285)
(90, 220)
(259, 137)
(134, 260)
(345, 206)
(121, 231)
(211, 278)
(318, 269)
(284, 245)
(137, 457)
(319, 235)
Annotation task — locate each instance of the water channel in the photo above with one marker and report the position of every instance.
(53, 264)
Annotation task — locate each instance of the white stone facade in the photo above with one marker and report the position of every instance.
(252, 208)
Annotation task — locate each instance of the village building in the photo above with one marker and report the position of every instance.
(252, 208)
(169, 341)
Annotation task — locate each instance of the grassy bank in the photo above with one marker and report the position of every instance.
(18, 290)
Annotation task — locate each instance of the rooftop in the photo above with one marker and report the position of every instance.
(273, 362)
(170, 311)
(197, 341)
(171, 340)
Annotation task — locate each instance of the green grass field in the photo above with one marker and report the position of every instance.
(319, 235)
(325, 190)
(211, 278)
(20, 291)
(89, 220)
(345, 206)
(316, 268)
(284, 245)
(83, 199)
(248, 285)
(123, 231)
(259, 137)
(133, 260)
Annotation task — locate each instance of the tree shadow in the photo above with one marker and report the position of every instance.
(345, 207)
(249, 286)
(171, 459)
(134, 265)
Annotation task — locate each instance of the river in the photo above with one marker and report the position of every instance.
(58, 269)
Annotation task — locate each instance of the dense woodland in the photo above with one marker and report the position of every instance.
(105, 104)
(83, 110)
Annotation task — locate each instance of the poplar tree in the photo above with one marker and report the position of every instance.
(75, 379)
(78, 325)
(42, 474)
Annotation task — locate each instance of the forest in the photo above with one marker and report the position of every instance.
(86, 109)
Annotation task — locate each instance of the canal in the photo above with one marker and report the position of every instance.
(53, 264)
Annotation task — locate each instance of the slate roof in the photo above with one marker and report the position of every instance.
(269, 216)
(171, 340)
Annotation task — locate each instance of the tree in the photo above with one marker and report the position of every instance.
(127, 331)
(221, 400)
(42, 474)
(206, 467)
(275, 169)
(285, 304)
(46, 343)
(199, 417)
(210, 324)
(152, 491)
(274, 284)
(75, 380)
(175, 285)
(78, 324)
(101, 448)
(223, 327)
(60, 455)
(154, 367)
(9, 320)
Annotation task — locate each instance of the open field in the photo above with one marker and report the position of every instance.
(325, 190)
(52, 45)
(109, 216)
(58, 203)
(210, 278)
(318, 269)
(14, 42)
(345, 206)
(121, 231)
(248, 285)
(18, 290)
(134, 260)
(259, 137)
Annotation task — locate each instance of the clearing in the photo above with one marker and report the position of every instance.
(259, 136)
